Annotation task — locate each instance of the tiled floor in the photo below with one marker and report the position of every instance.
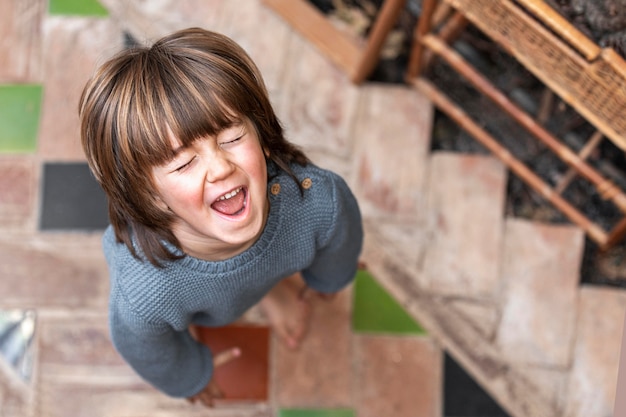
(66, 199)
(365, 354)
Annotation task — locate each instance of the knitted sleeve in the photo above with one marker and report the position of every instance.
(337, 257)
(170, 360)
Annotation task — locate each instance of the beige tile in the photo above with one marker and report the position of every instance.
(392, 131)
(397, 376)
(147, 21)
(20, 40)
(317, 106)
(267, 47)
(319, 374)
(52, 271)
(540, 276)
(466, 196)
(73, 48)
(593, 376)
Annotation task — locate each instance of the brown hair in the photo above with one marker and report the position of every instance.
(192, 84)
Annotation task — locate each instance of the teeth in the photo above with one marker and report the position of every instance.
(230, 195)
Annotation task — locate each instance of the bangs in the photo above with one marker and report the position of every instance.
(183, 99)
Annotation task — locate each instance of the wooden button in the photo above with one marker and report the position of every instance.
(275, 189)
(307, 183)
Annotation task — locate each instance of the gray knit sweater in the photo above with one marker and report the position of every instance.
(319, 234)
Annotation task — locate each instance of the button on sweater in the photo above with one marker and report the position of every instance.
(317, 232)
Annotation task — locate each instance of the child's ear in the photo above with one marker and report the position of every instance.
(266, 152)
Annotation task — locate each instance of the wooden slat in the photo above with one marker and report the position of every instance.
(597, 90)
(314, 26)
(559, 24)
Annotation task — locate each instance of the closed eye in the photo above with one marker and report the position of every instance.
(185, 165)
(231, 141)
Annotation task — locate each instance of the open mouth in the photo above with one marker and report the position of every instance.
(232, 203)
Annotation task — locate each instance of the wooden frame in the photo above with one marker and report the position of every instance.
(590, 79)
(355, 59)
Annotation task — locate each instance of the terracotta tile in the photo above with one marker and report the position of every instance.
(397, 376)
(20, 40)
(465, 206)
(390, 179)
(247, 377)
(319, 374)
(540, 274)
(593, 376)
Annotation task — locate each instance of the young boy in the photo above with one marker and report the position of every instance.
(212, 210)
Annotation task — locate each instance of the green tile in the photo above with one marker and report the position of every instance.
(77, 8)
(343, 412)
(20, 107)
(375, 311)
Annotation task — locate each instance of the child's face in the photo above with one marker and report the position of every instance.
(217, 189)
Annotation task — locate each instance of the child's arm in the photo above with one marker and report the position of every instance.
(337, 257)
(212, 391)
(170, 360)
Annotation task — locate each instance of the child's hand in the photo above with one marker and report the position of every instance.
(212, 390)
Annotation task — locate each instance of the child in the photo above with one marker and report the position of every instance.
(212, 210)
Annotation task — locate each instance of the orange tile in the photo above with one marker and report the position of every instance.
(245, 378)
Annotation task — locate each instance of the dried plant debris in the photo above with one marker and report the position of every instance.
(357, 18)
(604, 21)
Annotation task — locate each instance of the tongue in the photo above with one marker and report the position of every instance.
(231, 205)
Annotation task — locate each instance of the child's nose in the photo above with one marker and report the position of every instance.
(219, 167)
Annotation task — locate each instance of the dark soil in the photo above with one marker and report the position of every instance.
(602, 20)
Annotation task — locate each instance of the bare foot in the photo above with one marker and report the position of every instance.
(287, 312)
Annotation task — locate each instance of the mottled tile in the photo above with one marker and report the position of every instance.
(52, 271)
(268, 47)
(73, 47)
(18, 186)
(466, 196)
(397, 376)
(76, 340)
(593, 376)
(20, 40)
(319, 373)
(317, 106)
(147, 21)
(392, 130)
(540, 276)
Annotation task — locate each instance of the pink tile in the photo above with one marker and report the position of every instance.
(465, 206)
(397, 376)
(540, 275)
(73, 48)
(594, 371)
(76, 341)
(59, 270)
(319, 374)
(20, 40)
(18, 183)
(391, 180)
